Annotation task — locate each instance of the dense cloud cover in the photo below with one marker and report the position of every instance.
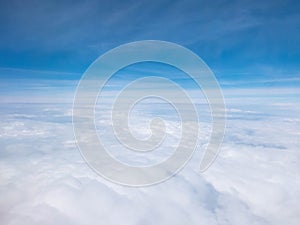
(252, 47)
(44, 180)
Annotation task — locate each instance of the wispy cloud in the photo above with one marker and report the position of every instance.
(227, 34)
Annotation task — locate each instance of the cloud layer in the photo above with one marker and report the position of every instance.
(254, 180)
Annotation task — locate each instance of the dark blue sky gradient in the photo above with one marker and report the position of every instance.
(241, 41)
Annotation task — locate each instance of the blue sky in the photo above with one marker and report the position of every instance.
(251, 46)
(242, 41)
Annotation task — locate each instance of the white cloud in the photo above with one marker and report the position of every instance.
(44, 180)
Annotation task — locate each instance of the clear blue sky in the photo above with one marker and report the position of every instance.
(245, 41)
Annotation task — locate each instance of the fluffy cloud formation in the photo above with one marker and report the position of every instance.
(44, 180)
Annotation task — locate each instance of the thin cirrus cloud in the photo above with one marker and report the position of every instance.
(69, 35)
(252, 46)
